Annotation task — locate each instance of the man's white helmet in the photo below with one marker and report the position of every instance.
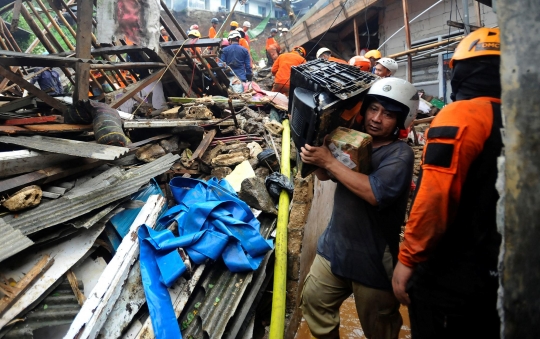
(390, 64)
(400, 91)
(321, 51)
(247, 24)
(234, 34)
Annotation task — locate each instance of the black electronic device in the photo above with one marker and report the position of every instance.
(320, 92)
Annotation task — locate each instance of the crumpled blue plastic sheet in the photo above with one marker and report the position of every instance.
(212, 222)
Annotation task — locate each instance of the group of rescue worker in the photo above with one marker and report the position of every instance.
(445, 270)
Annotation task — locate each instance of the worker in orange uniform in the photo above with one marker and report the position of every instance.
(373, 56)
(272, 47)
(282, 68)
(164, 33)
(448, 261)
(326, 54)
(194, 35)
(234, 26)
(212, 31)
(361, 62)
(245, 28)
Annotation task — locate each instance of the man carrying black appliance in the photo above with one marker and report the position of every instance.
(358, 250)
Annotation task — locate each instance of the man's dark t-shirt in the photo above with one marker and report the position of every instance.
(358, 233)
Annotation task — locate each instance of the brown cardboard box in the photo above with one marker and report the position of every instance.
(352, 148)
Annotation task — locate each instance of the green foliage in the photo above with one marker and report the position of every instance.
(40, 49)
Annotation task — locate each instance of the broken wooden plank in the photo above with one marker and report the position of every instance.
(34, 120)
(206, 141)
(33, 90)
(93, 314)
(136, 87)
(14, 130)
(75, 287)
(83, 49)
(158, 123)
(57, 128)
(66, 254)
(15, 292)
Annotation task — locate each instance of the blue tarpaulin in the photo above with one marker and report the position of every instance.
(212, 223)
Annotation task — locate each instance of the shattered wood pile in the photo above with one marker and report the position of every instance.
(63, 250)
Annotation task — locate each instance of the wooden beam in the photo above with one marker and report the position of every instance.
(16, 14)
(83, 48)
(306, 28)
(136, 88)
(75, 287)
(34, 120)
(13, 293)
(206, 141)
(478, 14)
(175, 73)
(407, 39)
(342, 4)
(425, 47)
(356, 36)
(33, 89)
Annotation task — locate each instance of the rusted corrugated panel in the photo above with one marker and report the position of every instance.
(14, 241)
(218, 297)
(63, 209)
(54, 313)
(69, 147)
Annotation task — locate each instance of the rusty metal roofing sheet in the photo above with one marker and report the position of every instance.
(221, 295)
(56, 311)
(13, 241)
(66, 208)
(66, 146)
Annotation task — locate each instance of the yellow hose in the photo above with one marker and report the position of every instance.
(277, 323)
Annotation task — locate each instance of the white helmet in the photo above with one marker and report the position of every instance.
(390, 64)
(234, 34)
(247, 24)
(321, 51)
(400, 91)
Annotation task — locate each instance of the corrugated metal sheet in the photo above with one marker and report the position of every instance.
(69, 147)
(13, 241)
(61, 210)
(219, 297)
(59, 308)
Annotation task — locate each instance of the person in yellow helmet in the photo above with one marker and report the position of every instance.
(447, 271)
(373, 56)
(234, 26)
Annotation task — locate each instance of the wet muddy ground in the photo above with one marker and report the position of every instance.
(350, 325)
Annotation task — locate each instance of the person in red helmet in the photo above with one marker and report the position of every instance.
(357, 251)
(282, 68)
(448, 272)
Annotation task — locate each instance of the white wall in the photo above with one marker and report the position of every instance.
(430, 24)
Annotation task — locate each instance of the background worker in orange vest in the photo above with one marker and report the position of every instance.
(448, 261)
(272, 47)
(282, 68)
(212, 31)
(245, 28)
(164, 33)
(326, 54)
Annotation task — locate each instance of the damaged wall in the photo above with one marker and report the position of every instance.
(311, 210)
(430, 25)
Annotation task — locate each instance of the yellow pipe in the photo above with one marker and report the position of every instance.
(277, 323)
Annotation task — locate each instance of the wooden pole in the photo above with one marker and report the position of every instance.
(55, 25)
(478, 15)
(425, 47)
(407, 39)
(83, 48)
(356, 36)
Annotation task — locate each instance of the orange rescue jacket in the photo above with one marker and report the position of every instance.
(338, 60)
(282, 66)
(455, 139)
(212, 33)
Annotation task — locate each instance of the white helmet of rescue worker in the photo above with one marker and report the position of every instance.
(398, 95)
(321, 51)
(234, 34)
(390, 64)
(247, 24)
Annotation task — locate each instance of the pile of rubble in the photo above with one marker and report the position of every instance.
(71, 208)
